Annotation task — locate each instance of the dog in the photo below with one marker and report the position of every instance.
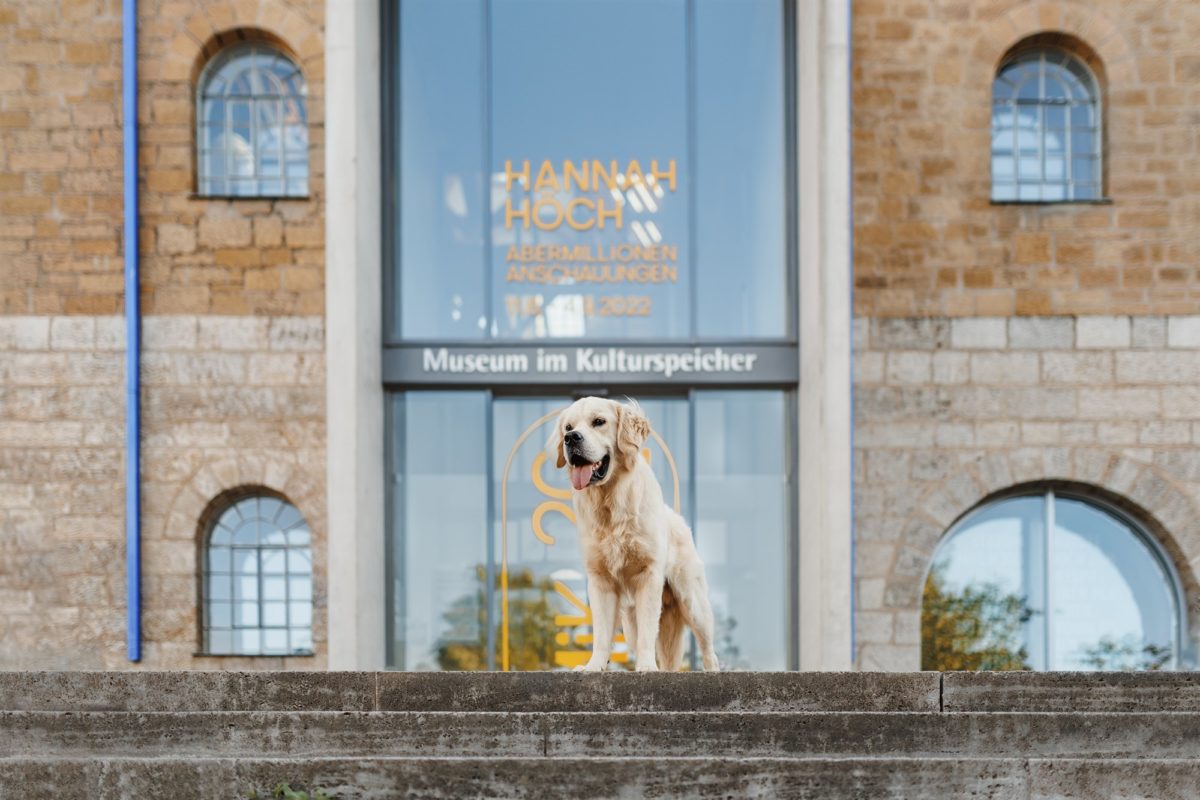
(638, 552)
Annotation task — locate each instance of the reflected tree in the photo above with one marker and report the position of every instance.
(977, 628)
(1126, 655)
(531, 625)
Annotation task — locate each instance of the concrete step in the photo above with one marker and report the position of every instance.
(468, 691)
(727, 691)
(607, 734)
(1071, 691)
(582, 779)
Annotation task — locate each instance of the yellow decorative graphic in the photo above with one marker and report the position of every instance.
(542, 486)
(540, 511)
(576, 657)
(577, 645)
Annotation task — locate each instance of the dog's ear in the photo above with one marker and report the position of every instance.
(632, 429)
(555, 442)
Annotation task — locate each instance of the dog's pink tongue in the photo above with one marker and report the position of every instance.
(581, 476)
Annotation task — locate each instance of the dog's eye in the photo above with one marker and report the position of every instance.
(568, 429)
(597, 422)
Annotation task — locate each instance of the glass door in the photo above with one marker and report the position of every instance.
(485, 570)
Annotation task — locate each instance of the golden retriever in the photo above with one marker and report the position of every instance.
(638, 553)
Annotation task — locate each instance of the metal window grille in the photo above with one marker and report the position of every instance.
(252, 125)
(1046, 129)
(258, 584)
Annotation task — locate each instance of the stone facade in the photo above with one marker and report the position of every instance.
(233, 361)
(229, 401)
(951, 411)
(928, 240)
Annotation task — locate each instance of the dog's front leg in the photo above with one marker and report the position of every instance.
(602, 597)
(647, 604)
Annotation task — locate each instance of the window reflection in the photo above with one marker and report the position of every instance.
(453, 600)
(1092, 593)
(594, 185)
(253, 124)
(258, 580)
(1045, 129)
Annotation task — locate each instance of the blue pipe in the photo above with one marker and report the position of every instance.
(133, 484)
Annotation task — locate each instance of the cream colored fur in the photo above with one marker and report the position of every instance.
(638, 553)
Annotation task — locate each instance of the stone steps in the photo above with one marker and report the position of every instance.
(440, 735)
(609, 734)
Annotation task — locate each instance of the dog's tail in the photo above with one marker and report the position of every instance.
(671, 627)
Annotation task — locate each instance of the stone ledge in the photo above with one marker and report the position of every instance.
(702, 777)
(612, 691)
(670, 734)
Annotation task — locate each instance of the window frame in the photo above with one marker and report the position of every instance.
(1181, 656)
(214, 64)
(1022, 51)
(217, 514)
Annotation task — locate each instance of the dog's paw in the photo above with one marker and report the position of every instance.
(646, 668)
(591, 668)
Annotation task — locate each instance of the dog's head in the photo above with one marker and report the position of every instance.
(598, 439)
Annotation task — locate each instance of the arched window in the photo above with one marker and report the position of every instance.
(252, 124)
(1046, 128)
(258, 584)
(1050, 581)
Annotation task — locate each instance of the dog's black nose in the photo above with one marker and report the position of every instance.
(573, 437)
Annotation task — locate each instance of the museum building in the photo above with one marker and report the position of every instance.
(906, 292)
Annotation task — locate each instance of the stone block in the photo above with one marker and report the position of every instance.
(1149, 332)
(979, 333)
(1158, 367)
(165, 332)
(73, 333)
(296, 333)
(24, 333)
(1118, 404)
(1076, 368)
(1041, 333)
(1102, 332)
(950, 367)
(1004, 368)
(1183, 331)
(232, 333)
(905, 367)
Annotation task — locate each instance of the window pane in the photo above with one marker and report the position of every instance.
(220, 641)
(438, 572)
(1003, 595)
(742, 522)
(220, 587)
(982, 605)
(245, 110)
(439, 476)
(220, 615)
(1113, 609)
(740, 169)
(442, 191)
(551, 116)
(588, 215)
(274, 615)
(275, 641)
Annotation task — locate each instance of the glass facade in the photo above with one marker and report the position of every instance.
(611, 169)
(1049, 582)
(613, 175)
(485, 567)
